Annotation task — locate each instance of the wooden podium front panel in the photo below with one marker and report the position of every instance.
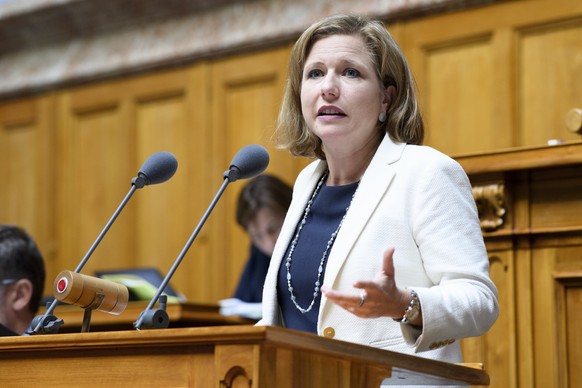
(305, 369)
(221, 356)
(110, 367)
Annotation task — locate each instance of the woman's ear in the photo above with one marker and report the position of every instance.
(389, 95)
(20, 294)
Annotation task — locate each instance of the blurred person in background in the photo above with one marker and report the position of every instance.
(261, 208)
(22, 278)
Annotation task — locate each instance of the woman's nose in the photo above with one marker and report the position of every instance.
(329, 87)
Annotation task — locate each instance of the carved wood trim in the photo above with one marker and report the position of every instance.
(490, 205)
(235, 377)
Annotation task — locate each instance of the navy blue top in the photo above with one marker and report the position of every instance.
(250, 285)
(5, 332)
(327, 210)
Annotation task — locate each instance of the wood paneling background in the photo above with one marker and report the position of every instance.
(536, 263)
(492, 78)
(500, 76)
(105, 133)
(28, 169)
(246, 95)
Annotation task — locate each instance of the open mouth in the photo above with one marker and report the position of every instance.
(330, 112)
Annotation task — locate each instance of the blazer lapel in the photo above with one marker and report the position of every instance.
(373, 186)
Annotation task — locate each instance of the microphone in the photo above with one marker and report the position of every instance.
(90, 292)
(158, 168)
(248, 162)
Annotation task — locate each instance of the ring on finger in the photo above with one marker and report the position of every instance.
(362, 298)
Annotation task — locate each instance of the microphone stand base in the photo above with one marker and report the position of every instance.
(50, 324)
(154, 319)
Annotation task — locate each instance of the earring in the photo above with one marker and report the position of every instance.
(382, 117)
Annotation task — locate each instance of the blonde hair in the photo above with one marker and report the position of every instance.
(404, 122)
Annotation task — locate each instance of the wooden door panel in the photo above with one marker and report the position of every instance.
(555, 294)
(458, 90)
(556, 203)
(96, 167)
(489, 349)
(18, 135)
(28, 171)
(568, 299)
(161, 231)
(574, 337)
(107, 132)
(247, 93)
(497, 77)
(496, 351)
(549, 79)
(568, 314)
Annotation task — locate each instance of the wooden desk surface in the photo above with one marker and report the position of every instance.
(181, 315)
(569, 153)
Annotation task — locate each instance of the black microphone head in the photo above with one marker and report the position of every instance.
(248, 162)
(158, 168)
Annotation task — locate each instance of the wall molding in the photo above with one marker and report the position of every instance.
(47, 44)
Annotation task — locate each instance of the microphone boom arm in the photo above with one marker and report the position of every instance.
(158, 168)
(106, 228)
(138, 324)
(249, 161)
(37, 328)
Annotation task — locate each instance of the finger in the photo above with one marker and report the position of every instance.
(388, 263)
(342, 299)
(365, 284)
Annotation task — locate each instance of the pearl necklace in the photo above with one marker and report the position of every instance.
(323, 257)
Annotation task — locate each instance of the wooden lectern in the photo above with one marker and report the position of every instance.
(219, 356)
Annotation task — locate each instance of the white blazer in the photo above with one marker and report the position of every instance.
(419, 201)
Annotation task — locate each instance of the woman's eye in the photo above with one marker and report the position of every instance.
(314, 73)
(352, 73)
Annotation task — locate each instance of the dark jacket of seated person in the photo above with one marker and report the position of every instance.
(250, 285)
(261, 208)
(6, 332)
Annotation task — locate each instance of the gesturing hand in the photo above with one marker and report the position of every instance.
(379, 297)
